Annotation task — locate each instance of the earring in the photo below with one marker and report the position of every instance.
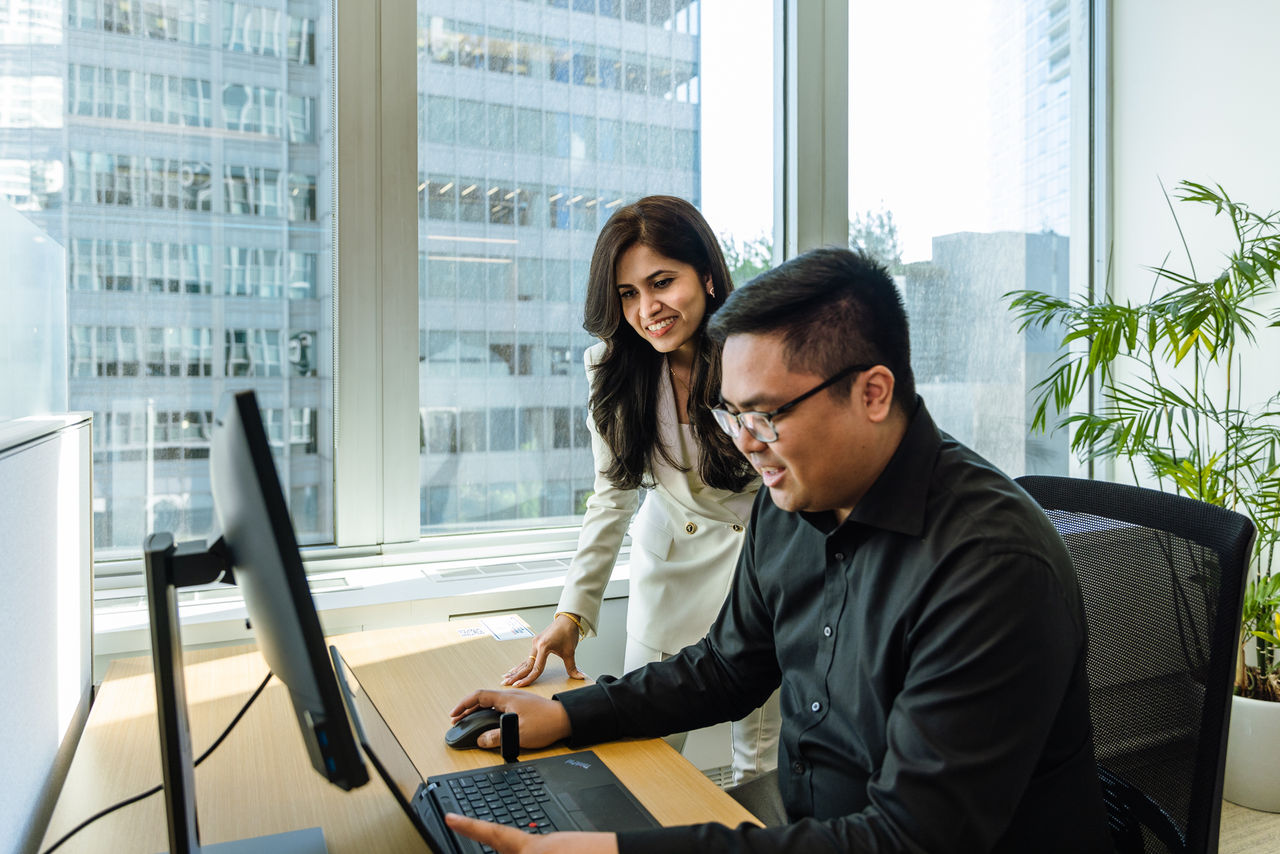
(711, 291)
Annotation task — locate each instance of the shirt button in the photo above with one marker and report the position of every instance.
(826, 631)
(690, 528)
(839, 555)
(817, 707)
(737, 529)
(797, 767)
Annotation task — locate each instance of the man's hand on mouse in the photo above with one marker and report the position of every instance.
(542, 721)
(508, 840)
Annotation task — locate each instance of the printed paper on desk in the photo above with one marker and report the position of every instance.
(508, 627)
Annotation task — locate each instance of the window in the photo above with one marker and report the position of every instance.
(471, 124)
(303, 274)
(184, 21)
(257, 109)
(470, 46)
(253, 353)
(584, 65)
(302, 197)
(441, 39)
(635, 10)
(517, 173)
(609, 67)
(634, 74)
(561, 58)
(253, 272)
(164, 352)
(302, 119)
(501, 127)
(193, 190)
(684, 79)
(303, 429)
(532, 57)
(178, 268)
(501, 51)
(972, 219)
(251, 190)
(440, 120)
(302, 41)
(249, 28)
(188, 225)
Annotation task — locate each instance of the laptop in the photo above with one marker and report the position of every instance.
(573, 791)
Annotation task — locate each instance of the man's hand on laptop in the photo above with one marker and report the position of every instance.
(508, 840)
(542, 721)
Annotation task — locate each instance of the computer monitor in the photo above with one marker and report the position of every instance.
(258, 552)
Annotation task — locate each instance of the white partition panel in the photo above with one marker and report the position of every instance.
(46, 631)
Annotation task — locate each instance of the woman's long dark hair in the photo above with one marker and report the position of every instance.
(624, 386)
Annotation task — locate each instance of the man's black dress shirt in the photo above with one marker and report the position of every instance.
(931, 652)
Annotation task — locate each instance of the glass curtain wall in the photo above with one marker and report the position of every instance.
(959, 164)
(536, 122)
(178, 150)
(181, 152)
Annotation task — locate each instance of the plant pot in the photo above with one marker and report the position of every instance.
(1253, 755)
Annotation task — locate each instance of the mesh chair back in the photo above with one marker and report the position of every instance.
(1162, 578)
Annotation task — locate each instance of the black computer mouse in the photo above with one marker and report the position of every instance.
(463, 734)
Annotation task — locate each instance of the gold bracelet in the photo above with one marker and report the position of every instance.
(575, 619)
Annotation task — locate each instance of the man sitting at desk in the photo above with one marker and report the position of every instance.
(916, 606)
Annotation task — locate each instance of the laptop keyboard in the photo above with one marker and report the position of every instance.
(513, 796)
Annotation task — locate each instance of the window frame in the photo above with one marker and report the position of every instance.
(376, 367)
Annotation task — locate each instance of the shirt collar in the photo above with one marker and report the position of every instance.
(896, 501)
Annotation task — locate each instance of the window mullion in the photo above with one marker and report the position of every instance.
(357, 292)
(398, 157)
(815, 109)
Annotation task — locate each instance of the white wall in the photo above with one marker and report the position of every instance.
(1193, 97)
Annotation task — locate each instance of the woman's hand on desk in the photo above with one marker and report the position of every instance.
(542, 721)
(508, 840)
(561, 638)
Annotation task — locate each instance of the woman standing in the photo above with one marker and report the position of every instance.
(656, 275)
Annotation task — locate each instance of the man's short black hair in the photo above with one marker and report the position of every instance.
(833, 308)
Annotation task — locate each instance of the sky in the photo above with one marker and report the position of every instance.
(919, 83)
(737, 111)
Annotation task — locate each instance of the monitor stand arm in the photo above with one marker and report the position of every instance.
(170, 566)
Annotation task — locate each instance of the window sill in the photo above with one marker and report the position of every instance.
(401, 586)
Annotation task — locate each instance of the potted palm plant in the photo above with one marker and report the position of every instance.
(1167, 378)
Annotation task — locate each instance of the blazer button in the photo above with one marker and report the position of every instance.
(690, 528)
(737, 529)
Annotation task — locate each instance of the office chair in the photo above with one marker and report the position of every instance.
(1162, 577)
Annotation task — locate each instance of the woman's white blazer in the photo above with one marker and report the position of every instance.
(684, 545)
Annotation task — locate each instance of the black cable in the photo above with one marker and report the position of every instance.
(149, 792)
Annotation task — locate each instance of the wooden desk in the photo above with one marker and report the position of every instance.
(259, 780)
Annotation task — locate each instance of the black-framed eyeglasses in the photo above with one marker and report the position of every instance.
(760, 424)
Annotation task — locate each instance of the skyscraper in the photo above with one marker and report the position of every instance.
(536, 121)
(182, 153)
(1031, 113)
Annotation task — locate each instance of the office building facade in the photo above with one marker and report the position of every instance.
(181, 151)
(536, 121)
